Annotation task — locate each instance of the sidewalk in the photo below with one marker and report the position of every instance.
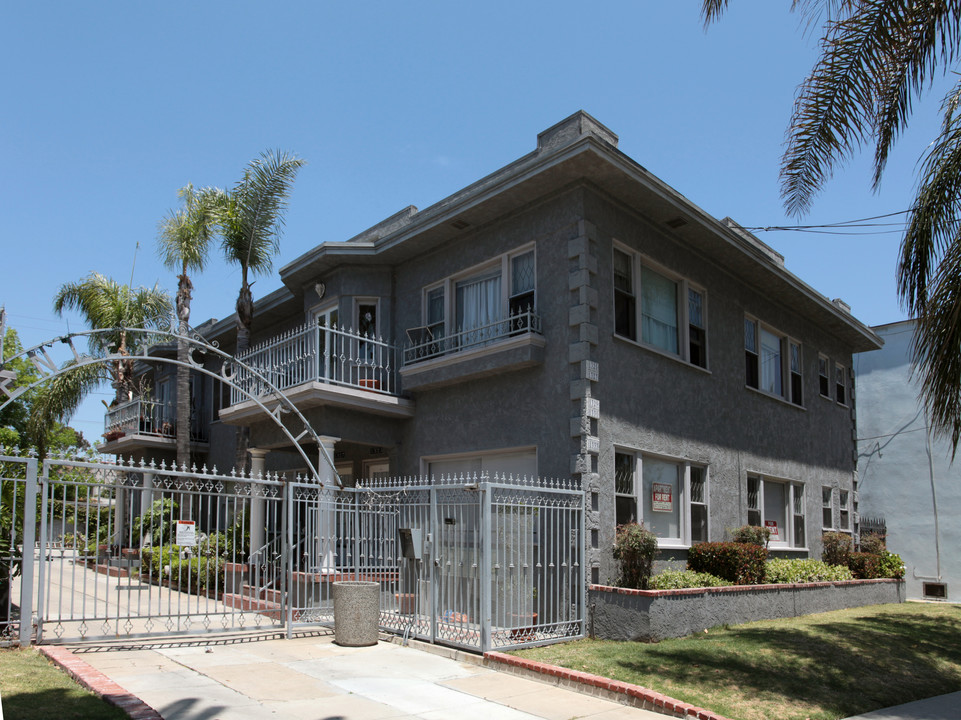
(942, 707)
(310, 677)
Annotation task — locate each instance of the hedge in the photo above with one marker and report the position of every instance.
(738, 563)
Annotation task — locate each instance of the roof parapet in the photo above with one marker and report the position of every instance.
(387, 226)
(573, 128)
(772, 254)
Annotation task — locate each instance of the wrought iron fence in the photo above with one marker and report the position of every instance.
(317, 353)
(518, 323)
(134, 549)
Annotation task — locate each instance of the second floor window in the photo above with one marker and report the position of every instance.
(662, 311)
(773, 362)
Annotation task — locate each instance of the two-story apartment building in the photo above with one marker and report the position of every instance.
(570, 314)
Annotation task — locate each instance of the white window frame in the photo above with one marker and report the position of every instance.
(449, 285)
(826, 375)
(827, 505)
(794, 493)
(784, 365)
(638, 262)
(844, 384)
(844, 510)
(683, 540)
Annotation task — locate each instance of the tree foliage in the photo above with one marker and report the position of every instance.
(877, 58)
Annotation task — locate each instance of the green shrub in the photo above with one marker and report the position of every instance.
(865, 566)
(679, 579)
(237, 538)
(185, 571)
(738, 563)
(873, 543)
(837, 547)
(891, 565)
(634, 547)
(751, 535)
(801, 570)
(156, 526)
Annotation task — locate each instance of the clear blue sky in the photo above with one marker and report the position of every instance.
(109, 107)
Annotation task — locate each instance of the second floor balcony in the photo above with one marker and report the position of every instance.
(317, 364)
(142, 421)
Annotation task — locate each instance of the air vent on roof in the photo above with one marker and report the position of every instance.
(460, 224)
(675, 223)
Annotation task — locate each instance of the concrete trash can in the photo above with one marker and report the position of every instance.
(356, 610)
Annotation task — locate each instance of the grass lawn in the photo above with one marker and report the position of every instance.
(32, 688)
(823, 667)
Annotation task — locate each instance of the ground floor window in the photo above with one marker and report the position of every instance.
(779, 506)
(669, 496)
(519, 463)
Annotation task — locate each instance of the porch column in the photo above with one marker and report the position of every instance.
(326, 509)
(258, 461)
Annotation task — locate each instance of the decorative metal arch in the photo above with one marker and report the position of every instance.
(48, 368)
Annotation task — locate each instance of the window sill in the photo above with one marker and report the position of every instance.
(664, 354)
(672, 545)
(776, 398)
(786, 548)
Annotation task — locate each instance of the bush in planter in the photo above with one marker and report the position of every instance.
(837, 548)
(891, 565)
(634, 547)
(184, 570)
(680, 579)
(738, 563)
(751, 535)
(868, 566)
(803, 570)
(873, 543)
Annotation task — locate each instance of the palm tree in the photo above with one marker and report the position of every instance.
(183, 244)
(878, 56)
(251, 220)
(105, 305)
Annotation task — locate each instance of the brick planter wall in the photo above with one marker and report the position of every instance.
(651, 615)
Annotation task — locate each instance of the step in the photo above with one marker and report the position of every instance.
(268, 609)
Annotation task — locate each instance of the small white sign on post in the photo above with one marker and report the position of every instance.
(187, 533)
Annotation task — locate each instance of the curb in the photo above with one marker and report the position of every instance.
(99, 684)
(637, 695)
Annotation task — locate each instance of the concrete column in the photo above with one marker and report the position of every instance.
(258, 462)
(326, 520)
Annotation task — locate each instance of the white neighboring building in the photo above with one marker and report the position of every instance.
(905, 475)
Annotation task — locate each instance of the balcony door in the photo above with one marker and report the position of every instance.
(328, 344)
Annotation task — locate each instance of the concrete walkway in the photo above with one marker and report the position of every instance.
(942, 707)
(310, 677)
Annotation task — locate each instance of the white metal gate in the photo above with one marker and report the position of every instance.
(98, 550)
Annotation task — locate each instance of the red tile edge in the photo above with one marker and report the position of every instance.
(98, 683)
(644, 694)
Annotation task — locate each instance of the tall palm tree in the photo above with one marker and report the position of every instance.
(878, 57)
(104, 305)
(183, 244)
(251, 220)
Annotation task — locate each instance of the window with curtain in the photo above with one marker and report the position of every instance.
(478, 306)
(658, 310)
(770, 362)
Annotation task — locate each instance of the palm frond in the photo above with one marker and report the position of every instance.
(59, 398)
(252, 217)
(933, 223)
(184, 236)
(834, 111)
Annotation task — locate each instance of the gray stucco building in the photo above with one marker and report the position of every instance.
(570, 314)
(906, 475)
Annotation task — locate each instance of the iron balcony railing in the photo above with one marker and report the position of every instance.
(317, 353)
(519, 323)
(148, 417)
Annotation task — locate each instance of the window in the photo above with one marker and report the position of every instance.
(625, 496)
(773, 362)
(827, 508)
(779, 506)
(670, 497)
(840, 384)
(844, 505)
(664, 311)
(471, 308)
(824, 376)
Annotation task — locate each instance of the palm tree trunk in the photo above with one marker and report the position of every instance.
(183, 423)
(245, 319)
